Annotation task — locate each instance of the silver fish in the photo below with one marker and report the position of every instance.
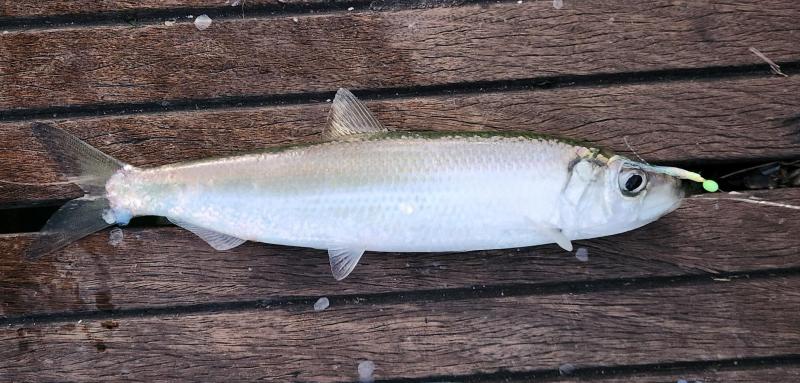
(370, 189)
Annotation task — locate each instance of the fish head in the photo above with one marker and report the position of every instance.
(637, 193)
(609, 196)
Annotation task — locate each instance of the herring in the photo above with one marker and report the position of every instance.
(366, 188)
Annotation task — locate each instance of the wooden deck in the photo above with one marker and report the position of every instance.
(709, 293)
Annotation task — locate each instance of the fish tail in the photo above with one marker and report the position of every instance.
(87, 167)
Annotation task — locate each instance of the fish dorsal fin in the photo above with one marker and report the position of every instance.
(349, 116)
(343, 260)
(217, 240)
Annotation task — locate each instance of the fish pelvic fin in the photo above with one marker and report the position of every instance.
(349, 116)
(344, 259)
(90, 169)
(218, 241)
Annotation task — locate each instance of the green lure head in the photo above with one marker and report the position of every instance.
(710, 186)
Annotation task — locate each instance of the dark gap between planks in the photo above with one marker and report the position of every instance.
(478, 292)
(668, 370)
(26, 219)
(712, 73)
(141, 17)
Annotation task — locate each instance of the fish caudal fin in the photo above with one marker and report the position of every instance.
(81, 163)
(87, 167)
(75, 220)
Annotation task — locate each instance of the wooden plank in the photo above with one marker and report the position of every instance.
(707, 322)
(482, 42)
(44, 8)
(167, 266)
(737, 119)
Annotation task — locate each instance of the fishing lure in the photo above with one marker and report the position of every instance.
(366, 188)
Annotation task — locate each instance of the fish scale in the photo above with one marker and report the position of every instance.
(391, 192)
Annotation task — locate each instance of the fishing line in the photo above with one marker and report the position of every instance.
(750, 199)
(625, 140)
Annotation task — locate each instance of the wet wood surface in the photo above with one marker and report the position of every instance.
(389, 49)
(413, 338)
(10, 9)
(708, 293)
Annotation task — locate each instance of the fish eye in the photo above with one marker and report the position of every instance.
(632, 182)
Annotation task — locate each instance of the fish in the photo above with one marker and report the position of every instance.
(367, 188)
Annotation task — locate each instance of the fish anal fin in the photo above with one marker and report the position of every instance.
(344, 259)
(215, 239)
(349, 116)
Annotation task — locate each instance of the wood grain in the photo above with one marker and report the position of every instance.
(359, 50)
(690, 121)
(43, 8)
(168, 266)
(717, 321)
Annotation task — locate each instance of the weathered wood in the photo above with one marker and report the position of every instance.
(168, 266)
(737, 119)
(743, 318)
(319, 53)
(11, 8)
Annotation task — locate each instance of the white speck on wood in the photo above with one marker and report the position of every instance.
(295, 19)
(350, 9)
(365, 370)
(321, 304)
(115, 237)
(558, 4)
(774, 67)
(582, 254)
(234, 2)
(202, 22)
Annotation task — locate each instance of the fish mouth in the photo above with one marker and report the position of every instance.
(655, 212)
(661, 210)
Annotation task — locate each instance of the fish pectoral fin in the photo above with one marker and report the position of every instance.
(349, 116)
(555, 234)
(217, 240)
(559, 238)
(344, 259)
